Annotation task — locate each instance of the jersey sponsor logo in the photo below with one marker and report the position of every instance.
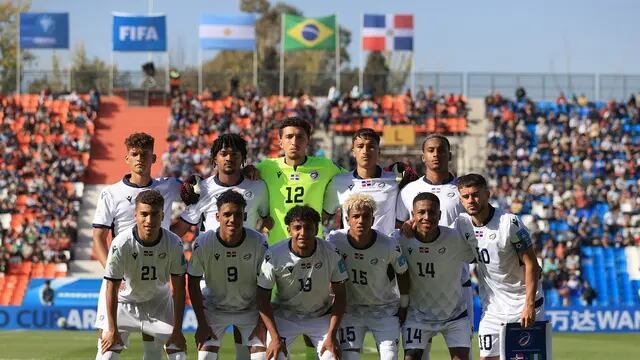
(442, 250)
(410, 250)
(147, 253)
(525, 339)
(373, 261)
(314, 175)
(351, 187)
(294, 177)
(103, 194)
(424, 250)
(162, 255)
(231, 254)
(216, 255)
(246, 256)
(129, 199)
(135, 255)
(358, 256)
(279, 173)
(318, 265)
(467, 235)
(290, 268)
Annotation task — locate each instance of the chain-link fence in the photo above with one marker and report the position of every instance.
(473, 85)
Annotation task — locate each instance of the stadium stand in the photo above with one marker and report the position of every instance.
(570, 169)
(45, 142)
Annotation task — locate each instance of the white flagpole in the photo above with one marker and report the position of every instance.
(337, 53)
(18, 49)
(199, 70)
(361, 69)
(282, 54)
(110, 75)
(413, 74)
(167, 87)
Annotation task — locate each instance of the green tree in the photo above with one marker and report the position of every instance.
(8, 38)
(88, 73)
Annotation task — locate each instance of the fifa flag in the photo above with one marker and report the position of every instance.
(139, 33)
(228, 32)
(309, 33)
(44, 30)
(390, 32)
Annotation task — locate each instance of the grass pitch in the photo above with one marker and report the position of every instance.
(81, 345)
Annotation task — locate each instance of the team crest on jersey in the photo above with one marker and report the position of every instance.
(451, 194)
(247, 256)
(492, 236)
(442, 250)
(135, 255)
(318, 265)
(162, 255)
(248, 195)
(217, 256)
(358, 256)
(314, 175)
(373, 261)
(294, 177)
(381, 185)
(424, 250)
(306, 266)
(231, 254)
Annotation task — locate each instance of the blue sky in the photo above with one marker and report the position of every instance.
(558, 36)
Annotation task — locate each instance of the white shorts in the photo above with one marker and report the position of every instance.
(154, 317)
(491, 327)
(385, 330)
(456, 333)
(245, 322)
(289, 329)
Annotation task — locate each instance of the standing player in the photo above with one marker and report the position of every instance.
(115, 210)
(229, 259)
(143, 258)
(434, 255)
(367, 178)
(508, 270)
(306, 272)
(228, 153)
(295, 179)
(438, 180)
(374, 262)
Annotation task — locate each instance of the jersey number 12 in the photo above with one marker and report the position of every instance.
(294, 194)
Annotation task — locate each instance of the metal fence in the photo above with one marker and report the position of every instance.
(539, 86)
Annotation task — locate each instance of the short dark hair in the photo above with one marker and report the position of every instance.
(233, 141)
(426, 196)
(472, 180)
(437, 136)
(231, 197)
(150, 197)
(302, 212)
(366, 133)
(139, 140)
(296, 122)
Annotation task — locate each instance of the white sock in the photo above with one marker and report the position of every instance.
(388, 351)
(242, 352)
(258, 356)
(177, 356)
(207, 355)
(152, 350)
(111, 355)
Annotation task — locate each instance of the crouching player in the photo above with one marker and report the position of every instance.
(435, 255)
(229, 259)
(374, 262)
(142, 259)
(306, 271)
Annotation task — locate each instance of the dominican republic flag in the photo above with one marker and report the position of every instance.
(387, 32)
(227, 32)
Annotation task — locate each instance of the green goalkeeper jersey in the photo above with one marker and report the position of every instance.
(288, 186)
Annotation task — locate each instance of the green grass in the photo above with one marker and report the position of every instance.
(72, 345)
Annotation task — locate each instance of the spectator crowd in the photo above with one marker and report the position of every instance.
(570, 168)
(45, 144)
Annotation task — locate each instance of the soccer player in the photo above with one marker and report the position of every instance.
(508, 270)
(295, 178)
(228, 153)
(367, 178)
(374, 262)
(115, 210)
(142, 259)
(306, 272)
(229, 259)
(434, 255)
(438, 180)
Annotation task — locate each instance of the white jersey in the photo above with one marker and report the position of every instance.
(144, 269)
(302, 284)
(448, 195)
(500, 273)
(230, 272)
(435, 270)
(370, 291)
(253, 191)
(383, 189)
(116, 206)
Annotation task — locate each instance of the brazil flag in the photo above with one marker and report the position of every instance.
(309, 33)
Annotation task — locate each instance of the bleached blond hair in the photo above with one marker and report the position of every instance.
(359, 202)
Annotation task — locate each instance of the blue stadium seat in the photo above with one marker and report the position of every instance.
(554, 298)
(587, 251)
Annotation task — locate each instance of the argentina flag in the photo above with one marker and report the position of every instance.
(228, 32)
